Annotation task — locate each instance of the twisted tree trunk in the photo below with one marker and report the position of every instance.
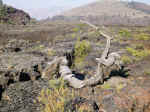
(105, 60)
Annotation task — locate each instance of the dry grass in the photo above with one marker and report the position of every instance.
(126, 59)
(54, 99)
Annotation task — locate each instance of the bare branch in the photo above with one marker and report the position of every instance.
(97, 28)
(106, 50)
(86, 22)
(107, 59)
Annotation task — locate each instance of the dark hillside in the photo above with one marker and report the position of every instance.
(12, 15)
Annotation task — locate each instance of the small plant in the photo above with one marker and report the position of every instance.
(106, 86)
(147, 72)
(82, 48)
(139, 47)
(54, 99)
(84, 108)
(51, 52)
(10, 9)
(120, 86)
(3, 11)
(73, 35)
(126, 60)
(76, 29)
(139, 54)
(142, 36)
(124, 33)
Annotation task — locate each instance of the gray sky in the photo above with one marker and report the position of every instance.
(43, 8)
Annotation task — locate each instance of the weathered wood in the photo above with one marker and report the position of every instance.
(107, 59)
(51, 68)
(96, 28)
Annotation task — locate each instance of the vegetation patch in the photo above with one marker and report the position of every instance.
(82, 48)
(124, 33)
(138, 53)
(106, 86)
(76, 29)
(120, 87)
(54, 99)
(12, 15)
(126, 59)
(51, 52)
(4, 14)
(147, 72)
(142, 36)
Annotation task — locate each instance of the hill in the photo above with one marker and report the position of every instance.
(111, 12)
(12, 15)
(140, 6)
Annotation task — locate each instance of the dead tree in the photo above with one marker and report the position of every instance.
(107, 59)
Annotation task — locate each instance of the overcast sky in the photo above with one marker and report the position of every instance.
(43, 8)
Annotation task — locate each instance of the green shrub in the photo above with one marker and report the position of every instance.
(119, 87)
(139, 54)
(73, 35)
(124, 33)
(139, 47)
(82, 48)
(142, 36)
(80, 25)
(51, 52)
(3, 11)
(76, 29)
(147, 72)
(106, 86)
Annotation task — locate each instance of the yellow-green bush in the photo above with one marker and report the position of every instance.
(142, 36)
(120, 87)
(54, 99)
(80, 25)
(126, 59)
(124, 33)
(106, 86)
(139, 46)
(147, 72)
(51, 52)
(139, 54)
(76, 29)
(3, 11)
(82, 48)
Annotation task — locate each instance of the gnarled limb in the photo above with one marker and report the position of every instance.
(96, 28)
(106, 51)
(98, 77)
(51, 67)
(67, 75)
(106, 59)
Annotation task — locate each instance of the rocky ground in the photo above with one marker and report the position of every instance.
(26, 50)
